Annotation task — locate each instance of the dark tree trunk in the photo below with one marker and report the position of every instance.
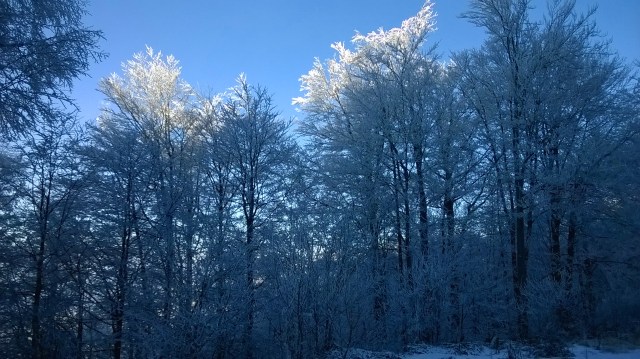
(36, 334)
(555, 247)
(571, 248)
(398, 215)
(407, 227)
(521, 255)
(423, 220)
(37, 346)
(556, 217)
(249, 257)
(117, 315)
(521, 261)
(80, 325)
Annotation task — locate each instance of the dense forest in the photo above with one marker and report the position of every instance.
(492, 196)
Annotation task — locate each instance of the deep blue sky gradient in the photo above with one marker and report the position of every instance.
(274, 42)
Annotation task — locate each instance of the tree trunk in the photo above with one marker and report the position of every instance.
(397, 222)
(407, 227)
(117, 315)
(448, 231)
(556, 216)
(555, 246)
(36, 334)
(521, 260)
(571, 248)
(589, 301)
(248, 330)
(423, 227)
(43, 216)
(448, 203)
(521, 255)
(80, 324)
(170, 261)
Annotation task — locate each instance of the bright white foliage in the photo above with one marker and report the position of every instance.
(151, 90)
(379, 48)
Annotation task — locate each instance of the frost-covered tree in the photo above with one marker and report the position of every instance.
(545, 94)
(509, 48)
(44, 47)
(152, 102)
(120, 176)
(260, 151)
(44, 239)
(368, 118)
(490, 196)
(496, 150)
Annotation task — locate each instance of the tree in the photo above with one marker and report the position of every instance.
(457, 180)
(545, 94)
(120, 175)
(45, 239)
(368, 115)
(155, 106)
(508, 45)
(260, 150)
(217, 207)
(490, 196)
(503, 143)
(44, 47)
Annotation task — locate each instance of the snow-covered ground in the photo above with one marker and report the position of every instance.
(590, 353)
(578, 351)
(481, 352)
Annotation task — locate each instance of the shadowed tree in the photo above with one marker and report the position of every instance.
(260, 149)
(44, 47)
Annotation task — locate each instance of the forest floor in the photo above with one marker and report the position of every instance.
(510, 351)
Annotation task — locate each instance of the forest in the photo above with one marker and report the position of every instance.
(493, 196)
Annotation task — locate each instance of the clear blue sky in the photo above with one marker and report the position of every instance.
(274, 42)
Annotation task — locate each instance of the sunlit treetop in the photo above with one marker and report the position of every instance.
(151, 90)
(381, 47)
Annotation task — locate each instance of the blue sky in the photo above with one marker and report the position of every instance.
(274, 42)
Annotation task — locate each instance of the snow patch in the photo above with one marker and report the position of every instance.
(482, 352)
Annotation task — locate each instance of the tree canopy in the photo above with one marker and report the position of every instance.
(44, 47)
(485, 198)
